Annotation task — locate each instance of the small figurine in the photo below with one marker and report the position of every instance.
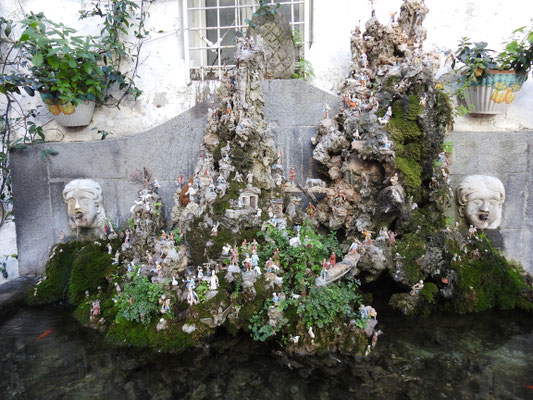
(417, 287)
(255, 259)
(364, 61)
(62, 235)
(332, 259)
(117, 257)
(238, 177)
(192, 297)
(394, 179)
(268, 265)
(375, 337)
(95, 308)
(422, 101)
(109, 249)
(118, 289)
(250, 178)
(386, 117)
(324, 273)
(214, 229)
(363, 311)
(228, 107)
(165, 306)
(472, 231)
(247, 262)
(200, 274)
(362, 79)
(392, 237)
(387, 144)
(213, 281)
(353, 248)
(174, 281)
(162, 325)
(292, 175)
(393, 17)
(275, 299)
(326, 111)
(368, 237)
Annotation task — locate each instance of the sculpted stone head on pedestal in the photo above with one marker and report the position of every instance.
(480, 199)
(85, 207)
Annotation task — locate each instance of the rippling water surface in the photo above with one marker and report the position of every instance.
(480, 356)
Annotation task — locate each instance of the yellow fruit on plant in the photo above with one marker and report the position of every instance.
(499, 85)
(67, 108)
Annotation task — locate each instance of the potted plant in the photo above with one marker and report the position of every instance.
(65, 69)
(489, 82)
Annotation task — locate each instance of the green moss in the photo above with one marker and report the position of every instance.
(412, 172)
(429, 291)
(406, 135)
(89, 270)
(487, 282)
(217, 153)
(411, 247)
(55, 287)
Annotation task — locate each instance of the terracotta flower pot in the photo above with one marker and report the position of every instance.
(67, 114)
(494, 92)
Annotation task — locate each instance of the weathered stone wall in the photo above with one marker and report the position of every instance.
(292, 108)
(505, 155)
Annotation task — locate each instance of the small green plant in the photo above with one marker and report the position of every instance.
(201, 290)
(139, 300)
(304, 70)
(325, 304)
(261, 330)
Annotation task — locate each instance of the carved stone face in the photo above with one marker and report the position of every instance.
(84, 203)
(481, 198)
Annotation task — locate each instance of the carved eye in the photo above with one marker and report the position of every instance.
(477, 202)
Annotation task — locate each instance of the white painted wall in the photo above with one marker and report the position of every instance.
(163, 75)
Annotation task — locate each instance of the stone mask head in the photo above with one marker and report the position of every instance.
(84, 202)
(480, 201)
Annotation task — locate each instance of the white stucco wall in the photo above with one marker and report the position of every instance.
(163, 75)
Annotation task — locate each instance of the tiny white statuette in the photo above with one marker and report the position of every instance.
(480, 200)
(85, 207)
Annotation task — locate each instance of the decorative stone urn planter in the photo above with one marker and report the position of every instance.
(494, 93)
(67, 114)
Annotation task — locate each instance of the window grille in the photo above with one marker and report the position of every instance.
(212, 25)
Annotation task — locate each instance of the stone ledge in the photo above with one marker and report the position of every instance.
(13, 293)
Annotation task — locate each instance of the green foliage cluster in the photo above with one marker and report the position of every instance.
(429, 291)
(304, 70)
(139, 300)
(325, 304)
(261, 331)
(296, 260)
(477, 59)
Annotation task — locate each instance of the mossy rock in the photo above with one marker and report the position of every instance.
(489, 281)
(89, 270)
(429, 291)
(55, 287)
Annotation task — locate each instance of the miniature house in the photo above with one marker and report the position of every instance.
(249, 197)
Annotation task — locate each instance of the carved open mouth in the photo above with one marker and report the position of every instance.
(78, 216)
(483, 216)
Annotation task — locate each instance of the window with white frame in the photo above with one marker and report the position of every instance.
(212, 25)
